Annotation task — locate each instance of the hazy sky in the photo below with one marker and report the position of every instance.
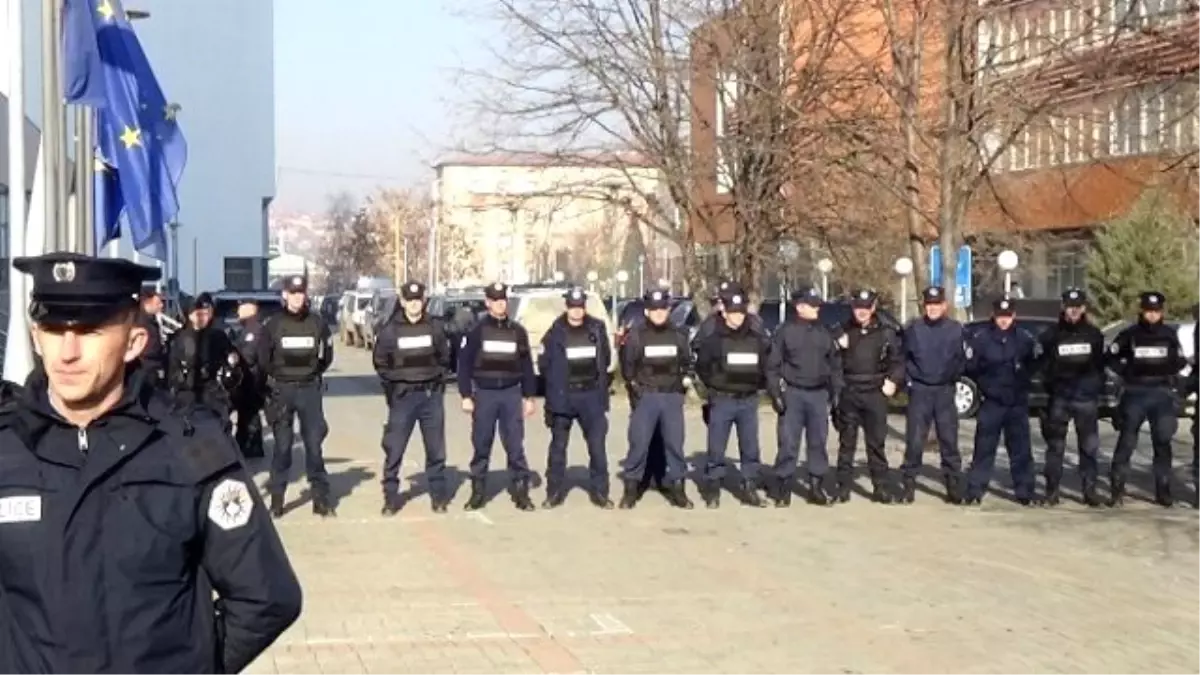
(364, 93)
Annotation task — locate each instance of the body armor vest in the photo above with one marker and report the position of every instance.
(297, 351)
(658, 364)
(498, 357)
(740, 369)
(582, 357)
(413, 357)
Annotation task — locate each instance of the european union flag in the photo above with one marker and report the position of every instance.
(108, 204)
(137, 136)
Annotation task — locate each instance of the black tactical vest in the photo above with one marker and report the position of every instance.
(583, 365)
(1073, 354)
(297, 348)
(658, 364)
(864, 361)
(740, 369)
(498, 357)
(1152, 356)
(412, 355)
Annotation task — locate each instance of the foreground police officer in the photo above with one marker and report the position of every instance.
(731, 362)
(1148, 357)
(873, 370)
(1072, 366)
(804, 380)
(574, 362)
(248, 395)
(201, 361)
(299, 350)
(121, 519)
(497, 385)
(655, 364)
(1000, 359)
(934, 358)
(412, 357)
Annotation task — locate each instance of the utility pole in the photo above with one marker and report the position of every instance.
(84, 239)
(397, 270)
(52, 127)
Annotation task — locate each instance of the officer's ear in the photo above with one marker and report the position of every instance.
(137, 337)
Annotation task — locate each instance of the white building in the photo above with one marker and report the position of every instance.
(521, 218)
(216, 60)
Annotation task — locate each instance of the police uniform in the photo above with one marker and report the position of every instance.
(412, 358)
(655, 364)
(1000, 361)
(495, 371)
(137, 543)
(1147, 356)
(804, 377)
(200, 370)
(934, 359)
(574, 362)
(731, 362)
(872, 357)
(1072, 365)
(249, 395)
(299, 351)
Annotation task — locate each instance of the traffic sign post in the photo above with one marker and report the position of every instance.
(963, 290)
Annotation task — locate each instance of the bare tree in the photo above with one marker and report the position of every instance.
(400, 219)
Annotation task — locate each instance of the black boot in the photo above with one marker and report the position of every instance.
(1162, 494)
(633, 492)
(520, 495)
(710, 492)
(277, 505)
(1052, 495)
(677, 495)
(954, 489)
(781, 492)
(908, 491)
(478, 498)
(1090, 498)
(322, 506)
(438, 501)
(816, 491)
(845, 487)
(599, 498)
(391, 505)
(555, 496)
(880, 494)
(1118, 491)
(750, 494)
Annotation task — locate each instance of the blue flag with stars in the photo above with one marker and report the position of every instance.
(138, 139)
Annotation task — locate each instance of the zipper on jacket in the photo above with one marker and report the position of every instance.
(83, 440)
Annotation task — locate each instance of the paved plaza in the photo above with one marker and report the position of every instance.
(854, 588)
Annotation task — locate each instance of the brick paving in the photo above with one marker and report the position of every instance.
(856, 588)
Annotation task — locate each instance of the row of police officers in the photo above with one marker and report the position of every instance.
(813, 374)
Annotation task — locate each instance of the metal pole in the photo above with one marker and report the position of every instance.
(405, 277)
(196, 265)
(824, 286)
(52, 112)
(83, 238)
(397, 273)
(174, 252)
(903, 300)
(1007, 282)
(18, 360)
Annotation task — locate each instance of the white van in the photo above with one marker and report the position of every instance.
(537, 308)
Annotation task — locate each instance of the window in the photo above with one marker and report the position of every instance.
(1058, 141)
(1066, 267)
(1043, 143)
(1125, 126)
(1125, 14)
(1153, 111)
(1018, 159)
(1076, 139)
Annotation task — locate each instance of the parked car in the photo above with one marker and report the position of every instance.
(376, 312)
(460, 311)
(351, 316)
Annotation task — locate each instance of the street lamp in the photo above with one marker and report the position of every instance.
(825, 266)
(622, 277)
(664, 283)
(903, 268)
(1008, 261)
(592, 276)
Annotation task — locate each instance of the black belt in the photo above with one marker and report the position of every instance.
(735, 394)
(583, 386)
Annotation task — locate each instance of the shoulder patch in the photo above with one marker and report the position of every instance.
(230, 505)
(844, 341)
(1114, 348)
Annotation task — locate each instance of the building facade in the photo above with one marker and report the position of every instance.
(216, 61)
(522, 218)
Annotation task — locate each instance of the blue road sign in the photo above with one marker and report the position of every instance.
(963, 291)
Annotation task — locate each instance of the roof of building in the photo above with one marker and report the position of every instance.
(539, 159)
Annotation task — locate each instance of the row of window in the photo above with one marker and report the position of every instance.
(1147, 120)
(1024, 35)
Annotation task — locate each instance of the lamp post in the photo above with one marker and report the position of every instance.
(1008, 261)
(903, 268)
(622, 277)
(592, 276)
(824, 266)
(641, 274)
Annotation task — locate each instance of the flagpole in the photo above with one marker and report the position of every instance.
(84, 236)
(17, 350)
(52, 123)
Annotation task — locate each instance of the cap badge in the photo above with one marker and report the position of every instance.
(498, 286)
(657, 295)
(412, 288)
(64, 272)
(1074, 295)
(737, 299)
(297, 281)
(934, 292)
(864, 295)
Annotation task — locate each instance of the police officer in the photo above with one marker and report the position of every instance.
(574, 361)
(1000, 359)
(1147, 356)
(202, 363)
(804, 380)
(412, 357)
(731, 362)
(299, 351)
(934, 359)
(656, 363)
(497, 385)
(1072, 366)
(154, 358)
(248, 396)
(873, 370)
(132, 539)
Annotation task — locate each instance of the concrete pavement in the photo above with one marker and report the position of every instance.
(855, 588)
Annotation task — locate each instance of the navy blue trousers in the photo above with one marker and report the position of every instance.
(931, 405)
(587, 407)
(499, 409)
(405, 411)
(663, 411)
(807, 415)
(1139, 405)
(303, 402)
(725, 413)
(1013, 421)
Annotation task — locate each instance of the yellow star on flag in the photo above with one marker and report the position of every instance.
(131, 137)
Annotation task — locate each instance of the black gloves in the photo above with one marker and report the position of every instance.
(778, 404)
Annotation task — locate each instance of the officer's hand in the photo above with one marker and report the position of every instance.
(528, 407)
(778, 405)
(889, 388)
(835, 417)
(547, 417)
(468, 405)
